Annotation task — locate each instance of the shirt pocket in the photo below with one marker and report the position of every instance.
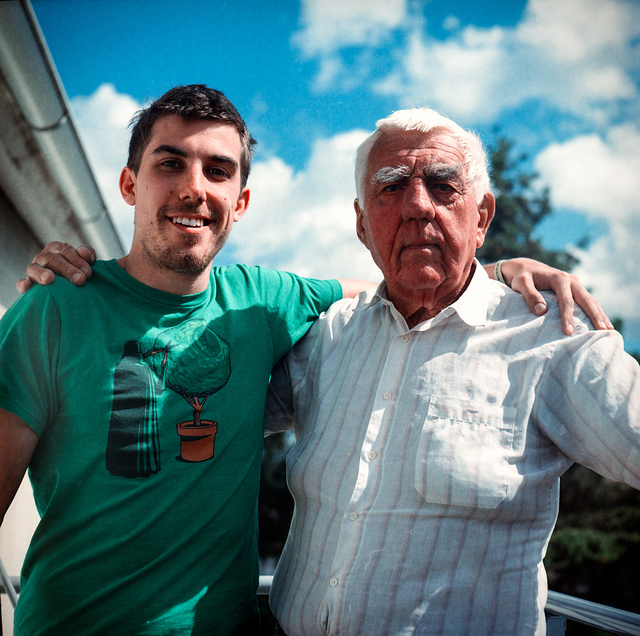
(463, 452)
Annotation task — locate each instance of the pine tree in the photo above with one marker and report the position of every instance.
(520, 207)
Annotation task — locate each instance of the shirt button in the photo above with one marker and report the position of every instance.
(353, 516)
(404, 338)
(372, 454)
(387, 395)
(333, 582)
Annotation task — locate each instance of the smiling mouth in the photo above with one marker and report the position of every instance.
(187, 222)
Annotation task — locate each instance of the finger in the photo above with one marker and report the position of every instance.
(23, 284)
(63, 259)
(591, 307)
(535, 300)
(87, 253)
(56, 264)
(566, 305)
(54, 255)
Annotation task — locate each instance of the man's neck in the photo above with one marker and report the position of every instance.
(421, 305)
(165, 280)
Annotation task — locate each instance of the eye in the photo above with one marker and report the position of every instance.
(218, 172)
(170, 163)
(391, 187)
(444, 191)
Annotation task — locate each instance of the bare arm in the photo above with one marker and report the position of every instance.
(75, 266)
(351, 287)
(521, 274)
(18, 443)
(529, 277)
(59, 258)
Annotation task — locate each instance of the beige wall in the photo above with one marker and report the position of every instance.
(16, 531)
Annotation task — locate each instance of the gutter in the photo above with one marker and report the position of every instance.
(44, 171)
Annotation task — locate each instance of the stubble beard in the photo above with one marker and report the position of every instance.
(185, 260)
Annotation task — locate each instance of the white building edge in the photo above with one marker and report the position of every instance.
(47, 192)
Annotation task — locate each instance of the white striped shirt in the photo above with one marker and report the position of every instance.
(426, 466)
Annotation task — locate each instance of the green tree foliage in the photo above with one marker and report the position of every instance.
(595, 550)
(520, 207)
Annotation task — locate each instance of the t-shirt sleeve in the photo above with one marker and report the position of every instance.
(294, 303)
(285, 377)
(29, 346)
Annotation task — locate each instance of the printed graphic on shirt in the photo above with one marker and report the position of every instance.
(189, 359)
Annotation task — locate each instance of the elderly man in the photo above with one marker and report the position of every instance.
(435, 416)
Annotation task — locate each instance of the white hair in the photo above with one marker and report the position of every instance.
(427, 120)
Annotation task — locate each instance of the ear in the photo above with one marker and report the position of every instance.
(128, 185)
(241, 204)
(486, 210)
(360, 231)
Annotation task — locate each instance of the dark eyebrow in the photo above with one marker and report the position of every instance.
(180, 152)
(170, 150)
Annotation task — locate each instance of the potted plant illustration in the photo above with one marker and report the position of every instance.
(197, 366)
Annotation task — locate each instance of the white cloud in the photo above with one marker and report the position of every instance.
(599, 176)
(102, 120)
(572, 54)
(460, 76)
(329, 25)
(573, 31)
(595, 175)
(304, 221)
(578, 56)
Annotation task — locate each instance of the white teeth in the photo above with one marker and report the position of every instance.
(189, 222)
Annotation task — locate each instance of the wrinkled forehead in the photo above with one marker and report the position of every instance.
(411, 147)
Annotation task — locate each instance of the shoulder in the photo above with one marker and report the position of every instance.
(348, 310)
(247, 275)
(509, 309)
(272, 285)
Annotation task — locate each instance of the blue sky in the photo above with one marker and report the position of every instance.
(560, 77)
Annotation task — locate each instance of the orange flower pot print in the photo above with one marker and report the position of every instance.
(197, 442)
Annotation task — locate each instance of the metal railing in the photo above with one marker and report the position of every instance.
(559, 609)
(603, 617)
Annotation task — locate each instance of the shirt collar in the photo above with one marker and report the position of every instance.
(471, 306)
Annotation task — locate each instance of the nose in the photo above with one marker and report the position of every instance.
(417, 202)
(193, 187)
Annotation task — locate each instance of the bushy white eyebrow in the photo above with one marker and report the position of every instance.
(390, 174)
(439, 172)
(444, 172)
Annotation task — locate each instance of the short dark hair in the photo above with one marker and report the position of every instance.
(194, 101)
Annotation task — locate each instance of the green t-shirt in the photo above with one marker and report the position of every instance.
(147, 528)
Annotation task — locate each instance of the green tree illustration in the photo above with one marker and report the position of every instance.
(198, 363)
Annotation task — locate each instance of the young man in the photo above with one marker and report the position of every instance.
(137, 402)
